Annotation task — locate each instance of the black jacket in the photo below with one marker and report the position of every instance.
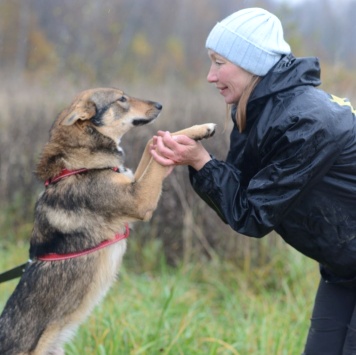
(293, 169)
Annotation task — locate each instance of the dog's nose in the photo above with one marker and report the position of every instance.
(158, 106)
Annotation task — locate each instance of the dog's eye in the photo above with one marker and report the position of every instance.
(122, 99)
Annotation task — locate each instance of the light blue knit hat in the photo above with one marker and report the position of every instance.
(250, 38)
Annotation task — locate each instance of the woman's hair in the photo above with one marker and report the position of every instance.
(242, 104)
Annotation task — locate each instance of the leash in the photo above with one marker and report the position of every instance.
(19, 270)
(14, 273)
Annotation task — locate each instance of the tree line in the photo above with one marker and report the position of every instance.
(154, 40)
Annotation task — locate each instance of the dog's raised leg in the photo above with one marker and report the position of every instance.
(196, 132)
(150, 175)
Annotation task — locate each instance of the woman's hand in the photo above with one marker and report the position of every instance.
(170, 150)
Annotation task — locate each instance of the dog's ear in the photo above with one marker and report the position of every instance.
(80, 110)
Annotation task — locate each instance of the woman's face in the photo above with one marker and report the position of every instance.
(228, 78)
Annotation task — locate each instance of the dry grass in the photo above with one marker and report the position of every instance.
(186, 226)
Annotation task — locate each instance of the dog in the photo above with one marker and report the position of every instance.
(82, 218)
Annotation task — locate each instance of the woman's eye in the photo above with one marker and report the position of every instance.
(122, 99)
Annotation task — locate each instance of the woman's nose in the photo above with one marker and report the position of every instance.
(211, 77)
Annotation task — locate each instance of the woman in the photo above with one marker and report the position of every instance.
(291, 166)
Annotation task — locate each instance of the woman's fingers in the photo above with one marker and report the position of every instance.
(171, 150)
(160, 153)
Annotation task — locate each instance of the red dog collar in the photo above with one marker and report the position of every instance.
(105, 243)
(65, 173)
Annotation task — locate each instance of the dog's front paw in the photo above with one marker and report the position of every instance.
(210, 129)
(202, 131)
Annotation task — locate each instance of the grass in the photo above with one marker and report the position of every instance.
(201, 308)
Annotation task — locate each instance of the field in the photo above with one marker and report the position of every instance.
(202, 308)
(189, 284)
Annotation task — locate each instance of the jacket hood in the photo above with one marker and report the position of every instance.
(288, 73)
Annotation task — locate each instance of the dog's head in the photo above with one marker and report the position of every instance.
(109, 111)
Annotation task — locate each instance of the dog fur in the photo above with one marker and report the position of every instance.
(78, 212)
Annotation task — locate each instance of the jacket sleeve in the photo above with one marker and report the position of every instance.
(291, 161)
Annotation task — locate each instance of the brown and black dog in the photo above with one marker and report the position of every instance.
(81, 218)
